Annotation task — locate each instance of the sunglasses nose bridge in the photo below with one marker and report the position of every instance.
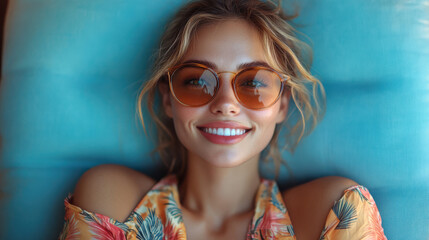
(233, 73)
(225, 96)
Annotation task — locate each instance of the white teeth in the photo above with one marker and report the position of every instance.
(224, 131)
(227, 132)
(220, 132)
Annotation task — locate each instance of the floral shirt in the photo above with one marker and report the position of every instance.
(158, 216)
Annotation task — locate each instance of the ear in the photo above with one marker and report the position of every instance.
(165, 98)
(284, 106)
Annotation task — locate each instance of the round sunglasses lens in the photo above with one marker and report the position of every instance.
(193, 86)
(257, 88)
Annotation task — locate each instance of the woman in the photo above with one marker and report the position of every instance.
(229, 75)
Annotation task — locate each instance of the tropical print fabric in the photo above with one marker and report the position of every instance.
(158, 216)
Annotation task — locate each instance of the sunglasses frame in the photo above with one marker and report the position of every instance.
(283, 78)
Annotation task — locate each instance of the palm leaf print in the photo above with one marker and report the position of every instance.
(258, 222)
(70, 230)
(345, 212)
(374, 229)
(88, 217)
(122, 226)
(290, 230)
(150, 228)
(275, 201)
(322, 235)
(106, 229)
(65, 231)
(264, 193)
(359, 192)
(172, 232)
(173, 209)
(102, 227)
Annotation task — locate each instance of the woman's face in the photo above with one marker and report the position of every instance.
(226, 45)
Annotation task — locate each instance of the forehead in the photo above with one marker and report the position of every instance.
(227, 44)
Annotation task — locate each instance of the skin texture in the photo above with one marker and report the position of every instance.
(217, 194)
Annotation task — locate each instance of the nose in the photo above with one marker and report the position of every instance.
(225, 102)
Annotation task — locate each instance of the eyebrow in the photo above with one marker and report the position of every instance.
(241, 66)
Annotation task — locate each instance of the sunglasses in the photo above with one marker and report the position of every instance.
(194, 84)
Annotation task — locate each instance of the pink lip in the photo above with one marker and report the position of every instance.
(217, 139)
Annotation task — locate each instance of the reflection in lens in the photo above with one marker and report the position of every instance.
(210, 87)
(257, 88)
(193, 94)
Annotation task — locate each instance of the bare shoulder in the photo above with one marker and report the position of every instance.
(332, 187)
(111, 190)
(309, 203)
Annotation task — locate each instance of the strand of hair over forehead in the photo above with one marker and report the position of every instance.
(200, 12)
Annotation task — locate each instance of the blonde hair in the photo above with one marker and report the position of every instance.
(282, 46)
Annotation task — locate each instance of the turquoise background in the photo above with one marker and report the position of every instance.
(70, 78)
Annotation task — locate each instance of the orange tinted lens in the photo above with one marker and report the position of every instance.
(193, 86)
(257, 88)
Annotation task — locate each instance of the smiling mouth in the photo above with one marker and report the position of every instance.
(225, 131)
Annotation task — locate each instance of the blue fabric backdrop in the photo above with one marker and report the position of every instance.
(70, 77)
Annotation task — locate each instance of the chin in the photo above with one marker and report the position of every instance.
(225, 162)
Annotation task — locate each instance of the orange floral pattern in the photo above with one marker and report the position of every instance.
(158, 216)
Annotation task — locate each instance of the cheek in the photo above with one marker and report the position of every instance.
(265, 121)
(266, 118)
(183, 117)
(182, 114)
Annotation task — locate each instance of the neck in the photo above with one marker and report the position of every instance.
(215, 194)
